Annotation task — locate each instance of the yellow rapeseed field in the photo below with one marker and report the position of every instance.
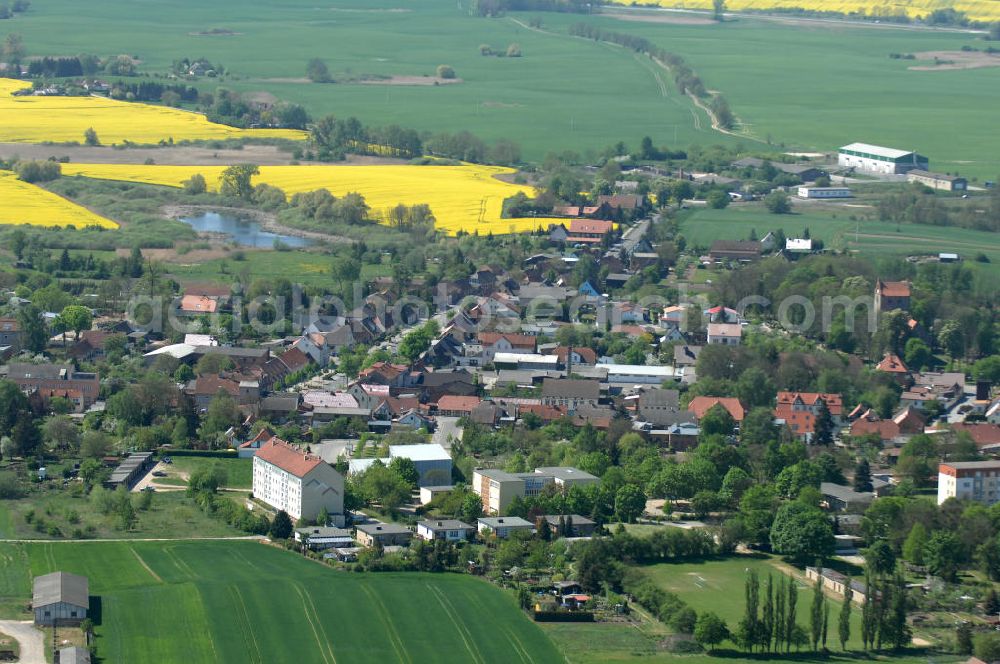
(23, 203)
(463, 198)
(977, 10)
(30, 119)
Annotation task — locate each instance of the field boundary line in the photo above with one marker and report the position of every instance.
(397, 643)
(145, 565)
(515, 642)
(449, 610)
(244, 619)
(312, 625)
(181, 566)
(319, 622)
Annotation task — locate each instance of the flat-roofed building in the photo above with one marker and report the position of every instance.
(940, 181)
(825, 192)
(969, 480)
(450, 530)
(503, 526)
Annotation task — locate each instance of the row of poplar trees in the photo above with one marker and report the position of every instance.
(769, 623)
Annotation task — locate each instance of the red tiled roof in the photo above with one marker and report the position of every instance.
(884, 429)
(288, 457)
(892, 364)
(983, 433)
(452, 402)
(588, 355)
(701, 405)
(515, 340)
(294, 359)
(198, 304)
(547, 413)
(590, 226)
(211, 385)
(895, 288)
(833, 401)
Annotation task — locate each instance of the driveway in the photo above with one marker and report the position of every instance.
(446, 432)
(31, 640)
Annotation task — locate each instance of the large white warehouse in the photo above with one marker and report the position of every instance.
(876, 159)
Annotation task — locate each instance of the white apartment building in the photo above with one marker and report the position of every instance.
(497, 488)
(969, 480)
(286, 478)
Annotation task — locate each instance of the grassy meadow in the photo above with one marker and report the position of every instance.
(839, 232)
(249, 602)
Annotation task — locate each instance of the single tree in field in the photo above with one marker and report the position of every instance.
(317, 71)
(195, 184)
(719, 10)
(236, 180)
(446, 71)
(13, 49)
(90, 137)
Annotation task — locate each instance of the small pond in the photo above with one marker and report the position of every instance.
(245, 232)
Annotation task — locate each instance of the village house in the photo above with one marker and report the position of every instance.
(319, 538)
(567, 525)
(892, 364)
(725, 334)
(382, 534)
(701, 405)
(51, 380)
(907, 422)
(890, 295)
(450, 530)
(799, 410)
(10, 335)
(502, 527)
(734, 250)
(570, 392)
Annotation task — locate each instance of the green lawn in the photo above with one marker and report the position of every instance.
(239, 472)
(309, 268)
(249, 602)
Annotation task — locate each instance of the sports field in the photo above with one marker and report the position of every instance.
(463, 198)
(247, 602)
(31, 119)
(24, 203)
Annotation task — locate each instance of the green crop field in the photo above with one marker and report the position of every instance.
(818, 86)
(563, 94)
(811, 86)
(248, 602)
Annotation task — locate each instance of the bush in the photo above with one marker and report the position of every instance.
(446, 72)
(777, 203)
(717, 199)
(34, 170)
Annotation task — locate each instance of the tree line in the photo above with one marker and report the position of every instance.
(685, 78)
